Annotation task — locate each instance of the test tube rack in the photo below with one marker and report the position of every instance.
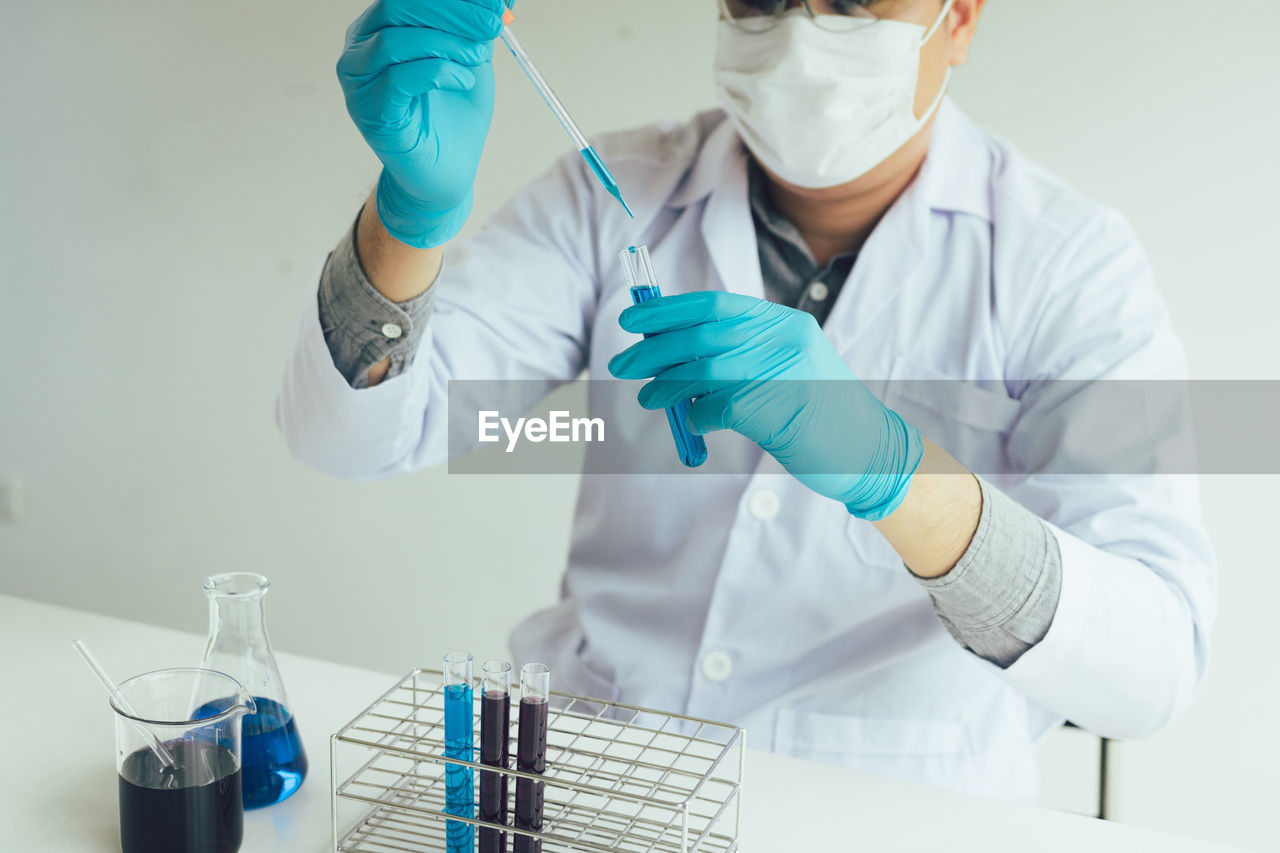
(618, 777)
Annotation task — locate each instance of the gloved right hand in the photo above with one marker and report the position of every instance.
(418, 81)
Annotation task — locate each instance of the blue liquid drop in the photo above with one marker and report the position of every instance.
(272, 758)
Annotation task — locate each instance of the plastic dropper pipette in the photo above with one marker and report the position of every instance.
(566, 121)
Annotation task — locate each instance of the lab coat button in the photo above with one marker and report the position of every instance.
(764, 505)
(717, 666)
(818, 292)
(392, 330)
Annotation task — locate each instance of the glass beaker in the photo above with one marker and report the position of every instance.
(274, 761)
(195, 807)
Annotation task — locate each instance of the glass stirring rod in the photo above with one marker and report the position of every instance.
(566, 121)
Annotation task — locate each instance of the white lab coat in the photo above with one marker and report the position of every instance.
(749, 598)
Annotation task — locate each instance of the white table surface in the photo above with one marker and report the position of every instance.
(58, 787)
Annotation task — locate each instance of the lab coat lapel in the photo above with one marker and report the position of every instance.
(889, 261)
(727, 227)
(894, 254)
(954, 178)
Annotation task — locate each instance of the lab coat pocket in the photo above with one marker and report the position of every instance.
(937, 752)
(964, 418)
(555, 637)
(590, 681)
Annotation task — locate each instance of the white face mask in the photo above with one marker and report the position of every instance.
(820, 108)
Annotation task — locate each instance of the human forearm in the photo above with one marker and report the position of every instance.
(934, 524)
(362, 328)
(400, 272)
(1000, 598)
(995, 581)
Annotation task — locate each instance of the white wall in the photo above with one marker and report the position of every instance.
(172, 174)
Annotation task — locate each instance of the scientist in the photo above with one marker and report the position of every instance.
(883, 608)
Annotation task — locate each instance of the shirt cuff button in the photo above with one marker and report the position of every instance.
(392, 330)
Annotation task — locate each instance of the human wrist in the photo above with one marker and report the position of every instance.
(414, 223)
(935, 523)
(398, 271)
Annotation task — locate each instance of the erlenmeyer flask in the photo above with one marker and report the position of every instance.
(274, 763)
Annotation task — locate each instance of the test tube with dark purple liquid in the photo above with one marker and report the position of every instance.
(531, 753)
(495, 750)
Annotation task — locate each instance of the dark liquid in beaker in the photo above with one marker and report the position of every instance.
(495, 734)
(531, 756)
(196, 808)
(274, 761)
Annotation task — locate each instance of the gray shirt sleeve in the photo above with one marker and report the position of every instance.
(360, 325)
(1001, 597)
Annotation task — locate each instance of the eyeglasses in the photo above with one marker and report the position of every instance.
(759, 16)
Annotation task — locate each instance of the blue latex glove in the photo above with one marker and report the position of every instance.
(767, 372)
(418, 80)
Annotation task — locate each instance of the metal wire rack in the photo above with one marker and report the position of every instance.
(618, 777)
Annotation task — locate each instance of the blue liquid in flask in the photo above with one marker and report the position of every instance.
(273, 762)
(459, 789)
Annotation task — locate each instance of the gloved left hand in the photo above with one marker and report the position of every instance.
(767, 371)
(417, 76)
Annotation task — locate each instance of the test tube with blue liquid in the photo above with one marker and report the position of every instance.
(640, 277)
(459, 740)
